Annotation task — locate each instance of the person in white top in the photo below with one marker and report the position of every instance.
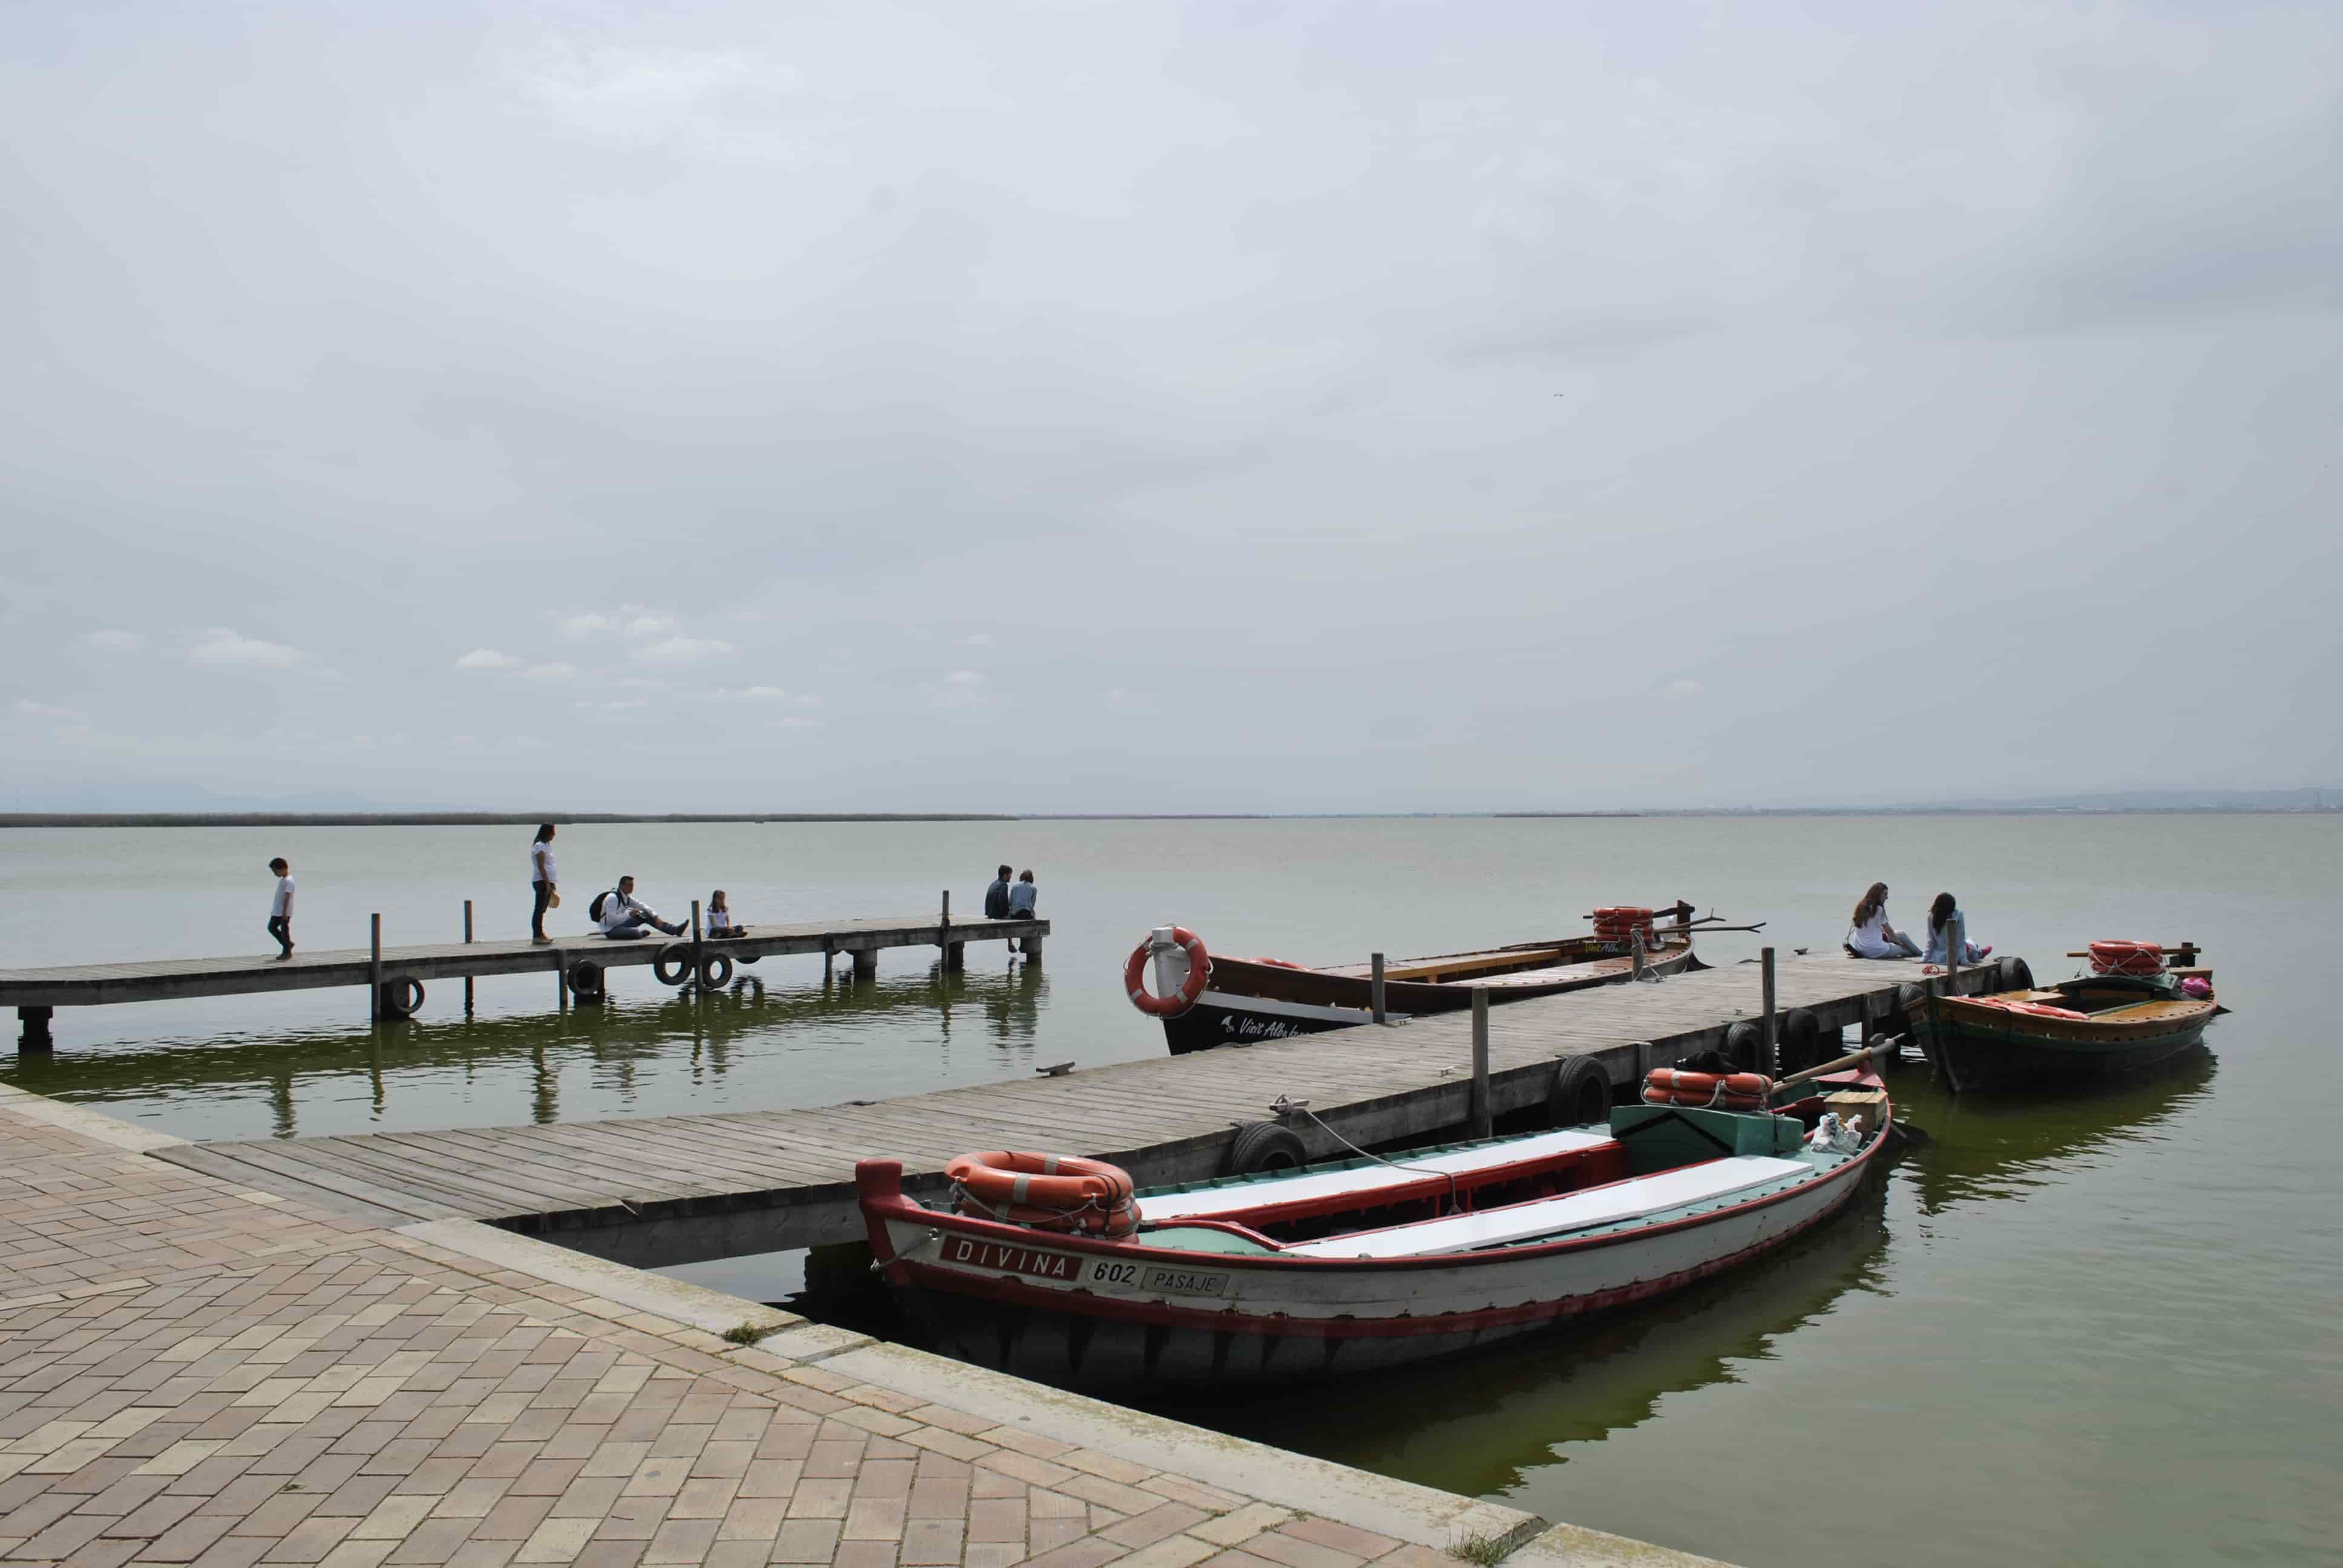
(625, 917)
(1871, 937)
(543, 876)
(719, 918)
(280, 908)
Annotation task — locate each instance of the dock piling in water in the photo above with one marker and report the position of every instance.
(1377, 987)
(1483, 1120)
(1770, 1044)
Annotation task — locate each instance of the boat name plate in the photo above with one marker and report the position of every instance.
(1027, 1260)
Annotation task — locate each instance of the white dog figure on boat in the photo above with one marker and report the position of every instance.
(1832, 1136)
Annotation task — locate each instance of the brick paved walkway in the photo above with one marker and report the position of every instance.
(196, 1373)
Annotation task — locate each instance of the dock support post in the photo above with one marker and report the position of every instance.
(468, 942)
(1031, 946)
(374, 973)
(1766, 1049)
(698, 968)
(32, 1034)
(866, 964)
(955, 953)
(828, 958)
(1482, 1124)
(1377, 990)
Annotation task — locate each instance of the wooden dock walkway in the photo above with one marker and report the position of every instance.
(653, 1190)
(577, 960)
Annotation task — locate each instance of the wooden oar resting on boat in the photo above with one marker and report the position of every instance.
(1347, 1266)
(2132, 1012)
(1207, 999)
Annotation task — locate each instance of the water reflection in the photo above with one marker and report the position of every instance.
(2007, 1146)
(770, 1044)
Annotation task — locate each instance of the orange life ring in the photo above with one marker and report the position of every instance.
(1045, 1191)
(1620, 923)
(1134, 973)
(1728, 1092)
(2113, 958)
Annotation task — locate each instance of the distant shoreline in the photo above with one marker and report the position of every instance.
(527, 819)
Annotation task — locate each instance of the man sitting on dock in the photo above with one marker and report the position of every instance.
(996, 897)
(624, 917)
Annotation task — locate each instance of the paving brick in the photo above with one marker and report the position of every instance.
(804, 1541)
(1362, 1543)
(1242, 1525)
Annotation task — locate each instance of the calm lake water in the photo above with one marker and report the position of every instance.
(2074, 1331)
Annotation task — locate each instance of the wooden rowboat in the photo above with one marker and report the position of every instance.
(1333, 1268)
(2089, 1029)
(1241, 1000)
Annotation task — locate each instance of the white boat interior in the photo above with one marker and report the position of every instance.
(1518, 1223)
(1219, 1202)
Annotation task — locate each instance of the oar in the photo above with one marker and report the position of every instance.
(1841, 1065)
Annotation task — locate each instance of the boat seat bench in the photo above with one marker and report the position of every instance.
(1362, 1180)
(1626, 1200)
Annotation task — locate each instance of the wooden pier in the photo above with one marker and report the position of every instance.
(394, 976)
(653, 1190)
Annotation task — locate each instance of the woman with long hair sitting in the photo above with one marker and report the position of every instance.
(1946, 924)
(1871, 937)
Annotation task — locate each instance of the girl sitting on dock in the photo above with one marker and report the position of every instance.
(1871, 936)
(720, 917)
(1945, 915)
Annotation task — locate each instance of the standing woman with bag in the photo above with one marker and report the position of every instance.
(543, 876)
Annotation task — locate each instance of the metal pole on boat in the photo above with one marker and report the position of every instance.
(1479, 1112)
(1766, 1049)
(1378, 989)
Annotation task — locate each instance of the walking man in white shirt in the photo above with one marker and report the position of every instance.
(280, 909)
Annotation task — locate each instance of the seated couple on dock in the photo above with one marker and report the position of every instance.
(1870, 935)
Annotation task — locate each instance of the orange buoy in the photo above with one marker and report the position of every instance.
(2114, 958)
(1044, 1191)
(1715, 1092)
(1134, 973)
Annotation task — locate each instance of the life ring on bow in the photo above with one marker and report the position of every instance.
(2126, 958)
(1134, 975)
(1714, 1091)
(1044, 1191)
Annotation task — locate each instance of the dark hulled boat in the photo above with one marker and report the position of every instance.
(1207, 999)
(2129, 1015)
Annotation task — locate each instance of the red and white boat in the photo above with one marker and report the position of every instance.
(1336, 1268)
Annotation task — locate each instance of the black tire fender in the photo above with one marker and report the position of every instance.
(715, 971)
(1800, 1041)
(1580, 1094)
(2016, 974)
(1265, 1146)
(586, 980)
(673, 963)
(402, 996)
(1745, 1043)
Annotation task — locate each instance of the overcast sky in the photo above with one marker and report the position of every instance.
(1089, 407)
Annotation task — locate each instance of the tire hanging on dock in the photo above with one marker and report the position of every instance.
(402, 996)
(586, 980)
(1264, 1146)
(671, 965)
(1581, 1092)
